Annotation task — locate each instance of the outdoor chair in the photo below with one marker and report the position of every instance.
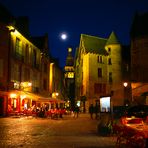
(136, 141)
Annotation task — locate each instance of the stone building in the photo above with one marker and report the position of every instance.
(24, 66)
(98, 71)
(139, 57)
(69, 77)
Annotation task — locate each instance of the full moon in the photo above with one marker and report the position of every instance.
(63, 36)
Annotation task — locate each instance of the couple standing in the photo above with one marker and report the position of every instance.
(93, 110)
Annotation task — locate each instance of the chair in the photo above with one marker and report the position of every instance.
(136, 141)
(118, 130)
(123, 134)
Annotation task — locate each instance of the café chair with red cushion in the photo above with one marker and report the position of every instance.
(136, 141)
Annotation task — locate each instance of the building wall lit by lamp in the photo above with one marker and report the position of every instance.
(10, 30)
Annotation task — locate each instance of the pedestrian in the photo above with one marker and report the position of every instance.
(91, 111)
(76, 111)
(96, 110)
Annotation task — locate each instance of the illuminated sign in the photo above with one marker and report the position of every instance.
(105, 105)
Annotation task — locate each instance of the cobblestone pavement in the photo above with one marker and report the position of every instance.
(68, 132)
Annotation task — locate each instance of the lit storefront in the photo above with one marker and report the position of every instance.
(19, 101)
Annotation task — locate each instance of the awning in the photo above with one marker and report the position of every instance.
(54, 100)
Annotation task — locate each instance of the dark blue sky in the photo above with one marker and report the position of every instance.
(93, 17)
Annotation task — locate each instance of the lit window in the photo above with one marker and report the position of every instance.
(70, 75)
(18, 46)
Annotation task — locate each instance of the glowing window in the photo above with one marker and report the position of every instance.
(70, 75)
(18, 46)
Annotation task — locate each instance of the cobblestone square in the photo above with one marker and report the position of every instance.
(69, 132)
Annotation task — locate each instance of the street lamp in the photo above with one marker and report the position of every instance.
(125, 84)
(55, 94)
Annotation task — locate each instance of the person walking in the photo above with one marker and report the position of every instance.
(76, 112)
(91, 111)
(96, 110)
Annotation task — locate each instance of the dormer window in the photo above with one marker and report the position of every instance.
(109, 49)
(100, 59)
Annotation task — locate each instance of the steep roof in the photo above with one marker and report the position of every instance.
(112, 39)
(93, 44)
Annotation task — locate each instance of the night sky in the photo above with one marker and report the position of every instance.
(92, 17)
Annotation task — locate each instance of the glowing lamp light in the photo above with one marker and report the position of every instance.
(55, 94)
(125, 84)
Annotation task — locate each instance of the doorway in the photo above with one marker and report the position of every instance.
(1, 105)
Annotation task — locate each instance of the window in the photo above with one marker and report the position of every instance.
(99, 88)
(34, 57)
(27, 74)
(27, 53)
(45, 68)
(109, 61)
(109, 49)
(100, 59)
(18, 46)
(70, 75)
(81, 89)
(99, 72)
(16, 72)
(110, 77)
(44, 84)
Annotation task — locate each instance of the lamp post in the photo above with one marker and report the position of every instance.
(125, 84)
(55, 94)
